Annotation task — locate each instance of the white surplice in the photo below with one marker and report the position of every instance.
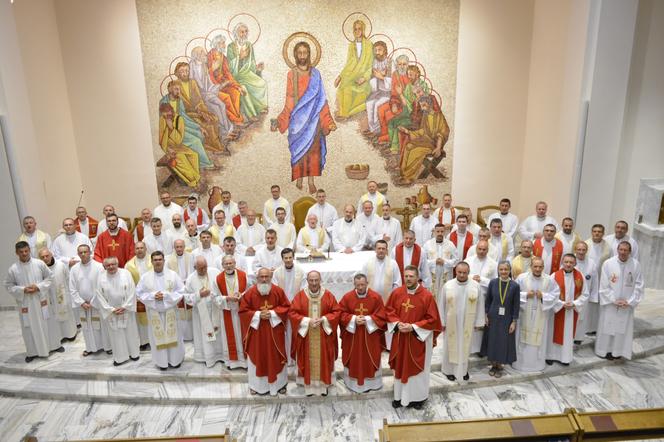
(210, 254)
(326, 214)
(615, 330)
(286, 234)
(460, 292)
(291, 281)
(391, 228)
(170, 285)
(531, 357)
(510, 222)
(588, 318)
(423, 228)
(65, 247)
(83, 283)
(440, 274)
(165, 214)
(162, 242)
(348, 234)
(115, 291)
(60, 303)
(206, 316)
(534, 224)
(270, 259)
(32, 308)
(564, 353)
(370, 226)
(486, 269)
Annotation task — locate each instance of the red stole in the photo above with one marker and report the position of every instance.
(559, 319)
(414, 260)
(452, 215)
(557, 253)
(228, 318)
(199, 216)
(237, 221)
(329, 347)
(467, 243)
(407, 355)
(92, 226)
(266, 347)
(140, 231)
(360, 351)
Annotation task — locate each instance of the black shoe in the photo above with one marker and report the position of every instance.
(417, 405)
(578, 342)
(163, 368)
(396, 404)
(609, 356)
(117, 364)
(466, 377)
(78, 326)
(549, 362)
(175, 366)
(61, 349)
(451, 377)
(591, 333)
(564, 364)
(29, 359)
(144, 347)
(135, 359)
(109, 352)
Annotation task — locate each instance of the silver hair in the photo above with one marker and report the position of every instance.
(402, 57)
(217, 39)
(237, 28)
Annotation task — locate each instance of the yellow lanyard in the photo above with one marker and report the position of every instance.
(502, 294)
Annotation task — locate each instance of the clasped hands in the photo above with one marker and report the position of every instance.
(404, 327)
(265, 314)
(537, 293)
(30, 289)
(621, 303)
(315, 323)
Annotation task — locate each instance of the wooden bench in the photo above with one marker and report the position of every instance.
(570, 425)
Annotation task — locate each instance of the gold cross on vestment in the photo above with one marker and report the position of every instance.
(113, 245)
(407, 305)
(361, 310)
(265, 307)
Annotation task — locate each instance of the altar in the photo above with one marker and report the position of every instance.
(336, 273)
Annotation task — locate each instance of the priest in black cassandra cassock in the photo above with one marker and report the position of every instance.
(502, 306)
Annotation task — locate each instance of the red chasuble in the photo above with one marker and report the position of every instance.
(121, 246)
(467, 242)
(360, 351)
(266, 347)
(237, 221)
(228, 318)
(559, 317)
(93, 224)
(414, 259)
(328, 343)
(407, 354)
(557, 252)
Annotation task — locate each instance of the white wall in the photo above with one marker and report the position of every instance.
(642, 145)
(104, 72)
(492, 97)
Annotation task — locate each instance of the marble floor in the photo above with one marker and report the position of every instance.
(67, 397)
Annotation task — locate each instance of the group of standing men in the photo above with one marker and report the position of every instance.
(525, 310)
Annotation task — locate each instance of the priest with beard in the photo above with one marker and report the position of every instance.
(413, 318)
(362, 321)
(160, 290)
(314, 316)
(114, 241)
(28, 281)
(290, 277)
(264, 313)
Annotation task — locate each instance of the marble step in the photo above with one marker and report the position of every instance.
(70, 366)
(178, 392)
